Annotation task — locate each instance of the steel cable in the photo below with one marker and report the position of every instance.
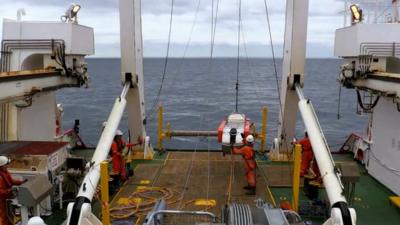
(157, 99)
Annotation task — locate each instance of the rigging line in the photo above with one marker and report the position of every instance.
(212, 40)
(187, 45)
(213, 31)
(275, 70)
(214, 21)
(189, 171)
(249, 66)
(209, 168)
(238, 56)
(156, 101)
(273, 53)
(339, 98)
(214, 28)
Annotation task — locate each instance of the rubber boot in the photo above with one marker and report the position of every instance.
(252, 191)
(247, 187)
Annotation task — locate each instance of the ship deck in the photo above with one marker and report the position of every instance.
(195, 176)
(209, 175)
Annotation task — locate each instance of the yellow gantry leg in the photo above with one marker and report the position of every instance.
(160, 128)
(264, 129)
(104, 192)
(296, 177)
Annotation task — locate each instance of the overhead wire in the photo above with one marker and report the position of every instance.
(212, 39)
(189, 171)
(283, 131)
(238, 56)
(157, 99)
(186, 48)
(214, 20)
(275, 74)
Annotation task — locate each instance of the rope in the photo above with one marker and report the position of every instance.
(264, 176)
(212, 41)
(142, 201)
(339, 98)
(231, 178)
(238, 56)
(275, 73)
(157, 99)
(187, 45)
(189, 172)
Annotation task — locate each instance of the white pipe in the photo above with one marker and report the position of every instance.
(321, 151)
(89, 184)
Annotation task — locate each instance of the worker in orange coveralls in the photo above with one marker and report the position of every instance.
(6, 183)
(248, 155)
(118, 161)
(307, 161)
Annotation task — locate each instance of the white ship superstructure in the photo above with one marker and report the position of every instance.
(370, 48)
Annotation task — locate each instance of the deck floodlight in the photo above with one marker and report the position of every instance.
(356, 13)
(71, 15)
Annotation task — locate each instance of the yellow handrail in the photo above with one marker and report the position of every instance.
(296, 177)
(104, 193)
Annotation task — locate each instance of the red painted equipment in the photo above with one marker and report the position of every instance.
(233, 130)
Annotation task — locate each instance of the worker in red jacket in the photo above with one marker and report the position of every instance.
(248, 155)
(309, 167)
(6, 183)
(307, 154)
(117, 153)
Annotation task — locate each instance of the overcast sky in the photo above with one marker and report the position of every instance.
(103, 16)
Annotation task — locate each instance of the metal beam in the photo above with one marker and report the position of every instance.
(329, 173)
(19, 84)
(386, 84)
(132, 64)
(293, 68)
(192, 133)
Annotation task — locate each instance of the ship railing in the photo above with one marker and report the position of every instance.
(164, 217)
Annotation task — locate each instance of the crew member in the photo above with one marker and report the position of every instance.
(6, 183)
(309, 168)
(118, 162)
(307, 154)
(248, 155)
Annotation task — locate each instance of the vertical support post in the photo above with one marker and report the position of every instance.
(132, 68)
(294, 55)
(160, 127)
(104, 193)
(264, 128)
(296, 177)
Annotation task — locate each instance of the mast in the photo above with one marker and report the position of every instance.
(293, 69)
(132, 68)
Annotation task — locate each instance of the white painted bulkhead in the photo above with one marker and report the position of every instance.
(38, 122)
(384, 156)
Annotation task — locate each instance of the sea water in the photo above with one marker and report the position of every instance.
(198, 93)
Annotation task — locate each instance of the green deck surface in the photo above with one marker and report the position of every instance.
(371, 199)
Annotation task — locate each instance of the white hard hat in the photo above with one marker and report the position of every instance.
(118, 132)
(250, 139)
(104, 124)
(4, 160)
(35, 221)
